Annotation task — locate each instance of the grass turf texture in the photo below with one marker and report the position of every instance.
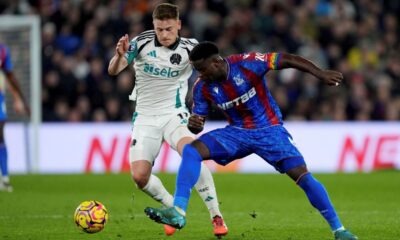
(255, 206)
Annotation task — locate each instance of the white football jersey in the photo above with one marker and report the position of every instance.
(162, 73)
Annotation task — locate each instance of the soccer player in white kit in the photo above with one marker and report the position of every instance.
(160, 59)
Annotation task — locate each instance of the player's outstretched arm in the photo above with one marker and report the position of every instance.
(118, 62)
(20, 105)
(196, 123)
(330, 77)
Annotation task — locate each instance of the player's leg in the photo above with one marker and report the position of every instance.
(152, 186)
(204, 186)
(316, 193)
(5, 180)
(178, 135)
(277, 147)
(319, 199)
(150, 183)
(221, 145)
(188, 174)
(145, 146)
(212, 145)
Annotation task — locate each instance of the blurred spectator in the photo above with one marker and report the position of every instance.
(357, 37)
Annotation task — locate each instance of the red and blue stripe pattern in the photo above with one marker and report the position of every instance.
(243, 96)
(5, 59)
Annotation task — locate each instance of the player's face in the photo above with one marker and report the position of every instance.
(167, 30)
(211, 69)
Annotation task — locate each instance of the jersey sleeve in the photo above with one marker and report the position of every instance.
(273, 60)
(132, 52)
(261, 63)
(200, 103)
(192, 43)
(6, 60)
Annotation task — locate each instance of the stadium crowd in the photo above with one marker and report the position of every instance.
(360, 38)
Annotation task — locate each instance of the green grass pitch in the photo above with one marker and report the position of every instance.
(255, 206)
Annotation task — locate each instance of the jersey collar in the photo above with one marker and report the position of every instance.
(228, 69)
(172, 46)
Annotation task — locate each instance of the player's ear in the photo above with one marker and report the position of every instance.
(217, 60)
(179, 23)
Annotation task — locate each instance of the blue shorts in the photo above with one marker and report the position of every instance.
(273, 144)
(3, 110)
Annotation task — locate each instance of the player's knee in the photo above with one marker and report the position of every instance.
(297, 173)
(140, 180)
(191, 152)
(201, 149)
(141, 171)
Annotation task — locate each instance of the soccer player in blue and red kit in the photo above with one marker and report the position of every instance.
(20, 107)
(238, 86)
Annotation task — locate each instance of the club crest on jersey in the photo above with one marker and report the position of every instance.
(239, 100)
(216, 90)
(175, 58)
(238, 80)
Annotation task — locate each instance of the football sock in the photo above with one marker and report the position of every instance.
(155, 189)
(206, 189)
(3, 161)
(319, 198)
(188, 174)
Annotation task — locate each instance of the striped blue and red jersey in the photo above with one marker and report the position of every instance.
(5, 61)
(244, 96)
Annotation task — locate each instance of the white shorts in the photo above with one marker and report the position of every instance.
(149, 132)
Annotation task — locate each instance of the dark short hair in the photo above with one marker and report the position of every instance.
(166, 11)
(203, 50)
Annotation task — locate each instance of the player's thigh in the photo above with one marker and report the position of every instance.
(176, 130)
(145, 143)
(276, 146)
(3, 109)
(225, 144)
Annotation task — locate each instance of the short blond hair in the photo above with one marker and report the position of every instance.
(166, 11)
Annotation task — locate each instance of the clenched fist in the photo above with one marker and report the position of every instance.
(196, 123)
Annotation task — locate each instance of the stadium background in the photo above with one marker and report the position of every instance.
(360, 38)
(349, 124)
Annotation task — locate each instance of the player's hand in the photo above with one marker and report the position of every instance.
(330, 77)
(196, 123)
(122, 45)
(21, 107)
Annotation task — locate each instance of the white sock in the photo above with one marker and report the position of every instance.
(6, 179)
(155, 189)
(206, 189)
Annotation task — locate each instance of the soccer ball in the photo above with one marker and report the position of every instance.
(91, 216)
